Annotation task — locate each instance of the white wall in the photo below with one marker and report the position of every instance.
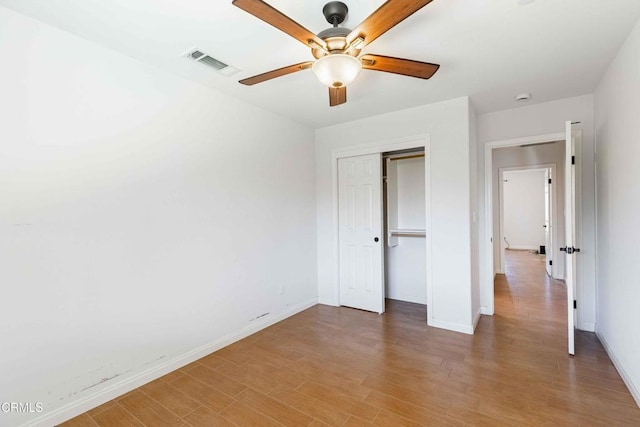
(543, 119)
(447, 123)
(617, 103)
(144, 218)
(523, 206)
(405, 264)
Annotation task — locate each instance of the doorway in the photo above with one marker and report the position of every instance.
(528, 211)
(491, 264)
(570, 141)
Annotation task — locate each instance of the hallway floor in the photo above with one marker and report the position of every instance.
(344, 367)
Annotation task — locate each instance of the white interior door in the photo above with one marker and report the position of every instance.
(360, 232)
(548, 244)
(570, 229)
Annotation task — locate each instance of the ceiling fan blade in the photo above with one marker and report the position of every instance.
(274, 17)
(384, 18)
(249, 81)
(406, 67)
(337, 96)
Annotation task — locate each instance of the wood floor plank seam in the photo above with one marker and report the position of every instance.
(197, 378)
(188, 413)
(159, 403)
(121, 408)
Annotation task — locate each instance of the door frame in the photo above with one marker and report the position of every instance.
(487, 279)
(488, 274)
(382, 146)
(554, 208)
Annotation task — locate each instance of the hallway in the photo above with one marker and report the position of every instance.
(526, 294)
(530, 330)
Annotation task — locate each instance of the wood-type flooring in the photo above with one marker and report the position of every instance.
(345, 367)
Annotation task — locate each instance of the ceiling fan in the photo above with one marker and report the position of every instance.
(337, 49)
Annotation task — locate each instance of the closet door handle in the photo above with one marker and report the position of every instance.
(375, 239)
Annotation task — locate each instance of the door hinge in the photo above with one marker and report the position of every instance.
(549, 180)
(573, 160)
(575, 304)
(550, 262)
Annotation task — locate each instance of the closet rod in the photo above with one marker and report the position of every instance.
(414, 156)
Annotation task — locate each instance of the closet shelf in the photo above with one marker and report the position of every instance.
(407, 232)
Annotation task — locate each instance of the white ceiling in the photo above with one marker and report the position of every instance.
(490, 50)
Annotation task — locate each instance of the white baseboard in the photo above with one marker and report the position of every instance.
(522, 248)
(587, 326)
(75, 408)
(328, 301)
(406, 297)
(455, 327)
(635, 392)
(485, 311)
(476, 319)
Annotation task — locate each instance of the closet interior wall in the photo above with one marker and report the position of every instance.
(405, 243)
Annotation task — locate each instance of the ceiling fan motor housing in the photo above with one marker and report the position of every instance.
(335, 12)
(336, 42)
(335, 37)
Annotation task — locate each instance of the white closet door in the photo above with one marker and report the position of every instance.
(360, 232)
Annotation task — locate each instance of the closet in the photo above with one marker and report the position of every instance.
(404, 211)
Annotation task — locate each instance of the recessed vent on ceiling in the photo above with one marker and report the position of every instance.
(208, 60)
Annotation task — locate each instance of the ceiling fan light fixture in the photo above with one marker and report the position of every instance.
(337, 70)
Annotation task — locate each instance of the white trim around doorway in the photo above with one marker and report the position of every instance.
(487, 280)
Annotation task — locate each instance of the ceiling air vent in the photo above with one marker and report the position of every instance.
(208, 60)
